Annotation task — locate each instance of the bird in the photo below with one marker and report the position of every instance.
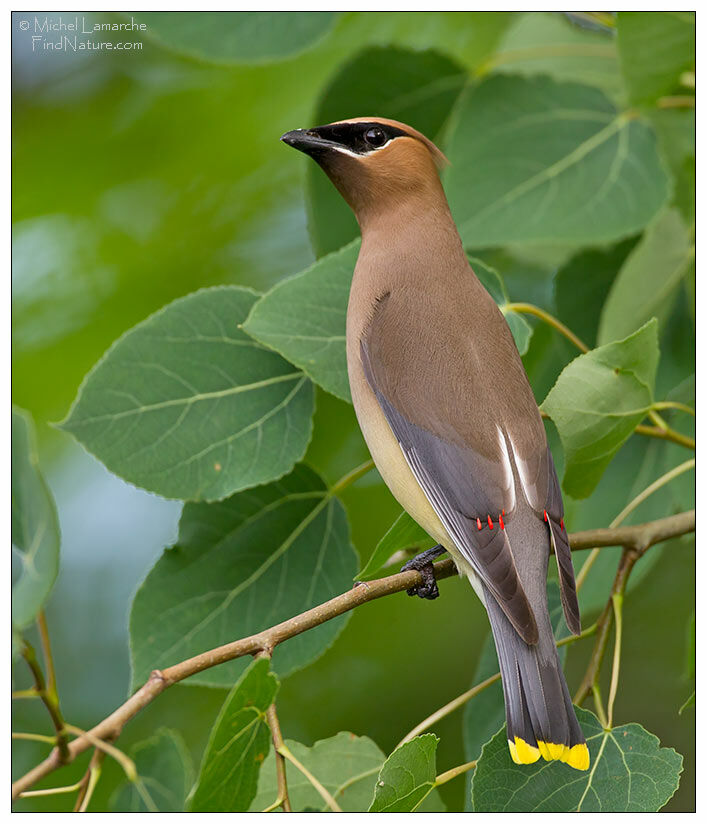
(445, 407)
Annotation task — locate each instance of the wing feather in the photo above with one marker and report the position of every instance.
(464, 488)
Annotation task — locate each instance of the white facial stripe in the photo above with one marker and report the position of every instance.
(348, 152)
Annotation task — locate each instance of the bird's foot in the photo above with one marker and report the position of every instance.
(423, 564)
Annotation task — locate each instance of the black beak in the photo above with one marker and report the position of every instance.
(307, 141)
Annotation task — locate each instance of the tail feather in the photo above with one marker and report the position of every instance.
(540, 718)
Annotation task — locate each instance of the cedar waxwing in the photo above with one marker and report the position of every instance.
(449, 417)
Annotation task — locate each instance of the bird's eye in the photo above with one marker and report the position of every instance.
(374, 136)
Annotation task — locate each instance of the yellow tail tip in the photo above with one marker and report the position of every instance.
(524, 753)
(577, 757)
(550, 751)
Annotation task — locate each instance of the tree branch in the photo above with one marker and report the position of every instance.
(638, 537)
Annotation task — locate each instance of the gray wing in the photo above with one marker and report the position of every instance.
(469, 492)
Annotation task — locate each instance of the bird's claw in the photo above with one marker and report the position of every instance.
(422, 563)
(427, 588)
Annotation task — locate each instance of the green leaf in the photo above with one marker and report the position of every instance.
(655, 49)
(237, 37)
(346, 765)
(548, 43)
(238, 744)
(646, 284)
(304, 318)
(186, 405)
(403, 534)
(420, 89)
(35, 525)
(629, 772)
(407, 777)
(166, 775)
(494, 285)
(582, 284)
(537, 161)
(675, 129)
(240, 566)
(598, 401)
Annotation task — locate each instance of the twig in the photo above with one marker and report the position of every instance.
(665, 435)
(454, 772)
(629, 508)
(320, 788)
(47, 655)
(668, 432)
(126, 763)
(643, 535)
(49, 700)
(283, 797)
(88, 783)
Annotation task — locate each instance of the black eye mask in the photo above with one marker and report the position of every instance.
(360, 138)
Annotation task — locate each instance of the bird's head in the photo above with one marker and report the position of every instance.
(377, 164)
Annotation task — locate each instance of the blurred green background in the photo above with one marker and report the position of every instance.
(143, 175)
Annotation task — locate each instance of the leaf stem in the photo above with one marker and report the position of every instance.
(531, 309)
(599, 705)
(283, 797)
(34, 736)
(682, 407)
(351, 477)
(449, 708)
(617, 600)
(454, 772)
(52, 790)
(322, 790)
(30, 693)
